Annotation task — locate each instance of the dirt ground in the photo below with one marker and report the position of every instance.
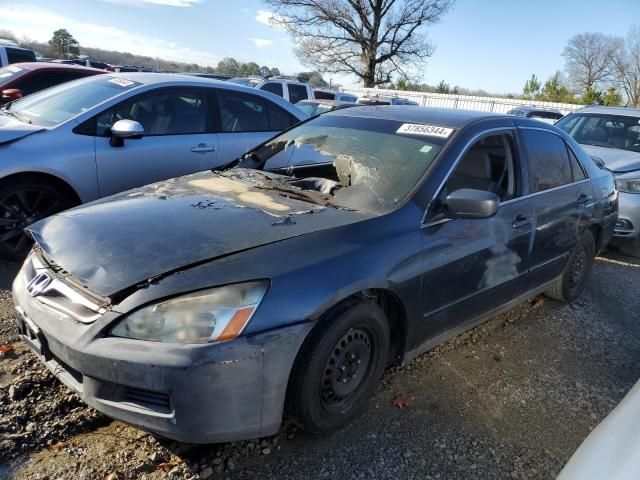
(512, 398)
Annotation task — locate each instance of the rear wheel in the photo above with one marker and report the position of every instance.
(574, 278)
(340, 367)
(23, 202)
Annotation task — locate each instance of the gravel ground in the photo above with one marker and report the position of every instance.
(512, 398)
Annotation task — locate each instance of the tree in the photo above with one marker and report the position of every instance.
(8, 35)
(625, 62)
(228, 66)
(275, 71)
(592, 97)
(555, 90)
(611, 98)
(264, 71)
(588, 59)
(442, 87)
(371, 39)
(531, 87)
(63, 44)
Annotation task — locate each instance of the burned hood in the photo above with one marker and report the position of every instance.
(615, 159)
(11, 129)
(124, 240)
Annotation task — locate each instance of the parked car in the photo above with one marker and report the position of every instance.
(93, 137)
(317, 107)
(291, 90)
(22, 79)
(373, 100)
(246, 81)
(203, 307)
(547, 115)
(10, 53)
(612, 449)
(320, 94)
(612, 135)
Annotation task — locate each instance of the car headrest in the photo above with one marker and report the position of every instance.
(475, 164)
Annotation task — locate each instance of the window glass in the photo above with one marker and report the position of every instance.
(604, 130)
(241, 112)
(164, 112)
(40, 80)
(576, 168)
(279, 119)
(348, 98)
(488, 165)
(548, 160)
(297, 92)
(62, 102)
(273, 87)
(16, 55)
(322, 95)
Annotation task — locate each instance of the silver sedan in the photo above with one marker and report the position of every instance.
(90, 138)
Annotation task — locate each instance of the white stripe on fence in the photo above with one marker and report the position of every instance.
(468, 102)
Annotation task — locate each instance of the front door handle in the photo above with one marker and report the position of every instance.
(521, 221)
(203, 148)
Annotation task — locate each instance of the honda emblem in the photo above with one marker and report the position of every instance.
(38, 284)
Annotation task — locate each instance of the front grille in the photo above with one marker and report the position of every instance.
(54, 287)
(155, 401)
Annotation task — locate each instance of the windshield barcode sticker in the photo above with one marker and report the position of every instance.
(123, 82)
(428, 130)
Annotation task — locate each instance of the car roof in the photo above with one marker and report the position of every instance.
(622, 111)
(407, 113)
(55, 66)
(320, 101)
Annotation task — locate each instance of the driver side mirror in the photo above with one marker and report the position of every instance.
(11, 95)
(469, 203)
(122, 129)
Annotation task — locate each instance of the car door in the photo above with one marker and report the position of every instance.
(178, 139)
(559, 196)
(474, 266)
(245, 120)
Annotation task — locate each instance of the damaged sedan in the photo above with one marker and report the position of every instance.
(207, 307)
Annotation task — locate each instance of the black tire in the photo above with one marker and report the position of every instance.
(23, 202)
(573, 280)
(339, 367)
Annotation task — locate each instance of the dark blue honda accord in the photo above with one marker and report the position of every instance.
(206, 307)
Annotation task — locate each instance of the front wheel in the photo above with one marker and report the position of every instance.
(573, 280)
(23, 202)
(339, 367)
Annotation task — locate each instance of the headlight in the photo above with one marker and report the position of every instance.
(629, 185)
(210, 315)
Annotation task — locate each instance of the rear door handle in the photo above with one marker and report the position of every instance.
(203, 148)
(521, 221)
(584, 198)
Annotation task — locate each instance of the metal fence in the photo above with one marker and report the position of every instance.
(468, 102)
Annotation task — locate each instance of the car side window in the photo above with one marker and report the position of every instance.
(297, 92)
(19, 56)
(549, 165)
(279, 119)
(490, 165)
(241, 112)
(577, 171)
(162, 112)
(40, 80)
(273, 87)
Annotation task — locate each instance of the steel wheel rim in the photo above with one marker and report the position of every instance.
(21, 208)
(346, 369)
(578, 268)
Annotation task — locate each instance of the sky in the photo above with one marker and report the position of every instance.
(494, 45)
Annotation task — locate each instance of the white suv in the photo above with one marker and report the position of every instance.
(10, 52)
(290, 90)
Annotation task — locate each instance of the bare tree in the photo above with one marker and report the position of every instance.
(588, 59)
(625, 60)
(372, 39)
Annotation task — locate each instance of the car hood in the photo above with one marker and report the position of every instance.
(615, 159)
(130, 238)
(12, 129)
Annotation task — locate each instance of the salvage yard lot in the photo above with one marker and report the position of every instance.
(513, 398)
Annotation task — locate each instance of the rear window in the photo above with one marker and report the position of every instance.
(20, 55)
(297, 92)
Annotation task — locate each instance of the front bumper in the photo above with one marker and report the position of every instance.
(197, 394)
(628, 225)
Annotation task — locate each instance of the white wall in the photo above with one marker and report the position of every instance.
(467, 102)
